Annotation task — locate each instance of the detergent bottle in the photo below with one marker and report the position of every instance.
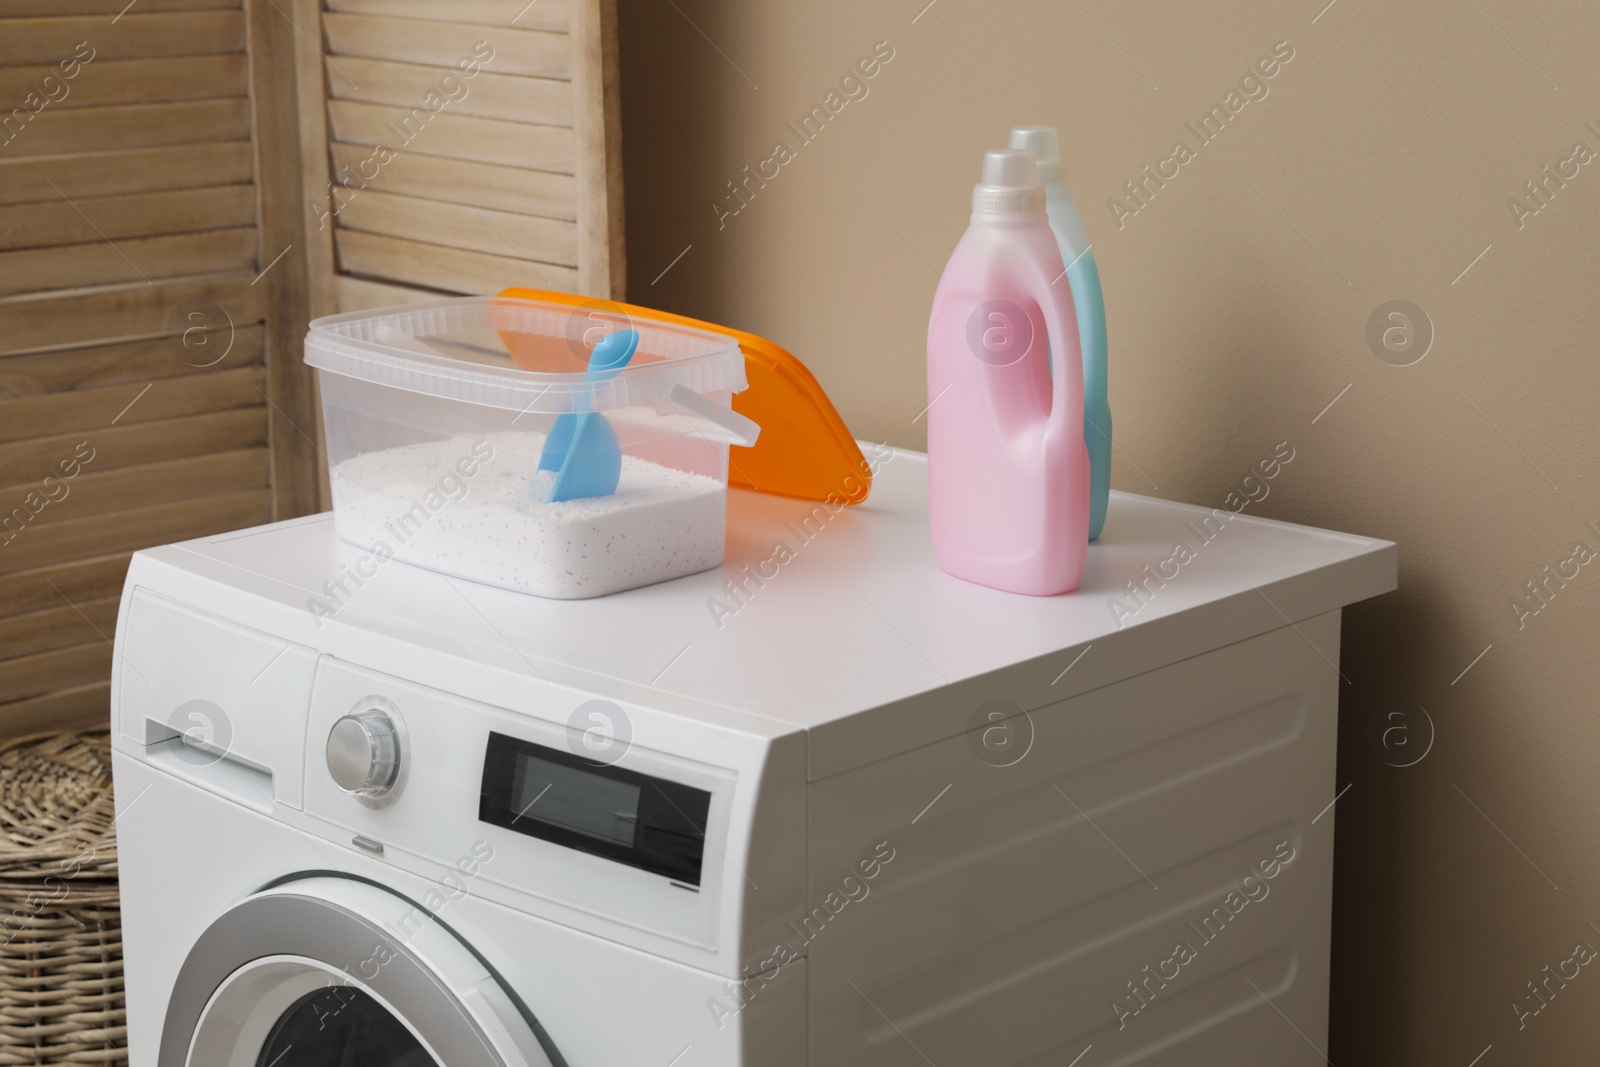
(1084, 277)
(1008, 471)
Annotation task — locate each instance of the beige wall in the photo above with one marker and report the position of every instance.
(1390, 145)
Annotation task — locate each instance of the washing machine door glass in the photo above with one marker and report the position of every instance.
(341, 1026)
(334, 972)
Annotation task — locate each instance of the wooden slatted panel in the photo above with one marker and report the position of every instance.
(25, 8)
(38, 674)
(122, 446)
(439, 182)
(488, 95)
(353, 292)
(486, 186)
(473, 228)
(79, 622)
(551, 15)
(138, 528)
(72, 318)
(510, 144)
(132, 81)
(140, 259)
(189, 166)
(101, 129)
(114, 491)
(141, 333)
(60, 222)
(449, 44)
(450, 269)
(80, 580)
(90, 410)
(77, 708)
(140, 360)
(137, 36)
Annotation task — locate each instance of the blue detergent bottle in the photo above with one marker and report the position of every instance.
(1084, 278)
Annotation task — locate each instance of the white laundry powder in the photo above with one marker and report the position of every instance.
(498, 526)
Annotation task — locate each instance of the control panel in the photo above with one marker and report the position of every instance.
(640, 840)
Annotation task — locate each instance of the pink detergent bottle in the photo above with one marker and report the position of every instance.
(1008, 471)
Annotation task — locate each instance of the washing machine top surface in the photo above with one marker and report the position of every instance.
(836, 621)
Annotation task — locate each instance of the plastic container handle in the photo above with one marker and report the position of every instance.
(1066, 360)
(740, 430)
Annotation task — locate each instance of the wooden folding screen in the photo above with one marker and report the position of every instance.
(169, 174)
(149, 384)
(464, 147)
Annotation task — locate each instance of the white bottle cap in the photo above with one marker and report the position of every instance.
(1010, 183)
(1045, 144)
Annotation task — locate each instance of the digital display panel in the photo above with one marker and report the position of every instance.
(651, 823)
(581, 801)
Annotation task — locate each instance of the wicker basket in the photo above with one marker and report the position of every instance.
(61, 994)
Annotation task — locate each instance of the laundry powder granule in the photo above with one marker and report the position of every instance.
(498, 526)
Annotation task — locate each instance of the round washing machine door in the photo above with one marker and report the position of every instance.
(334, 972)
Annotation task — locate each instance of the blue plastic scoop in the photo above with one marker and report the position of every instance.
(582, 447)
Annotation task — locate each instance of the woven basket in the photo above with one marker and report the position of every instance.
(61, 994)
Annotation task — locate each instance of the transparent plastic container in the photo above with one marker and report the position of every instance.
(435, 416)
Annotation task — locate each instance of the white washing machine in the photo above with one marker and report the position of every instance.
(826, 806)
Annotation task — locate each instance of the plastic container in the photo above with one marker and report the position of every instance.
(1084, 278)
(434, 434)
(806, 450)
(1008, 471)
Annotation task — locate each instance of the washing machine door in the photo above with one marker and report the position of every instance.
(333, 972)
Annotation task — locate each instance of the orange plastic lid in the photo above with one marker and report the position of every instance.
(805, 449)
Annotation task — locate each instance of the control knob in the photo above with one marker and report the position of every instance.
(364, 753)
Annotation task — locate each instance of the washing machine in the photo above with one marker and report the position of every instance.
(824, 806)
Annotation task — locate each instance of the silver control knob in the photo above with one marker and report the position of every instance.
(364, 753)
